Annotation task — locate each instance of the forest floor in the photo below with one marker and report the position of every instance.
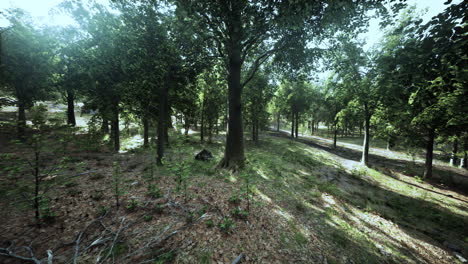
(298, 201)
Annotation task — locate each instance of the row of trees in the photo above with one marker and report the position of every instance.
(219, 64)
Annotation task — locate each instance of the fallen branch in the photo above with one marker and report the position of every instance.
(10, 252)
(238, 259)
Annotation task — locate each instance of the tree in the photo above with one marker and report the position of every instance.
(26, 58)
(242, 29)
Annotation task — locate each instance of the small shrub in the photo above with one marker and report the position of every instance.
(227, 225)
(96, 176)
(102, 210)
(159, 208)
(189, 217)
(132, 205)
(167, 257)
(147, 218)
(97, 195)
(239, 213)
(235, 199)
(209, 223)
(154, 191)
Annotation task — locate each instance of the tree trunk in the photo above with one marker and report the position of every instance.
(334, 136)
(37, 183)
(234, 152)
(202, 125)
(21, 120)
(210, 131)
(464, 160)
(453, 157)
(162, 125)
(390, 142)
(297, 124)
(278, 122)
(145, 132)
(105, 126)
(365, 145)
(186, 127)
(429, 154)
(71, 108)
(115, 128)
(292, 125)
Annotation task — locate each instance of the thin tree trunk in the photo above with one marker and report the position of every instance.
(429, 154)
(71, 108)
(210, 131)
(464, 160)
(202, 124)
(453, 157)
(105, 126)
(297, 125)
(365, 147)
(21, 127)
(278, 122)
(145, 132)
(37, 183)
(335, 136)
(162, 125)
(292, 125)
(115, 128)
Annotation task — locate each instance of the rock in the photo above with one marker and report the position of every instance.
(204, 155)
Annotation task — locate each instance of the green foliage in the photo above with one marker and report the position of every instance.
(181, 171)
(47, 214)
(117, 186)
(226, 225)
(239, 213)
(165, 258)
(132, 205)
(147, 218)
(209, 223)
(154, 191)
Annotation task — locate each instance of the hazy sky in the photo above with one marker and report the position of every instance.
(39, 9)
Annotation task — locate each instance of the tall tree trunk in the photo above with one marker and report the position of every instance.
(202, 124)
(210, 131)
(297, 125)
(168, 121)
(253, 130)
(115, 127)
(21, 126)
(335, 135)
(292, 125)
(365, 145)
(105, 125)
(429, 154)
(71, 107)
(453, 156)
(464, 160)
(278, 122)
(162, 122)
(390, 142)
(234, 152)
(145, 132)
(186, 127)
(37, 183)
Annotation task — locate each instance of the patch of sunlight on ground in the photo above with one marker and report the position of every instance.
(328, 199)
(262, 196)
(284, 214)
(231, 178)
(262, 174)
(311, 206)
